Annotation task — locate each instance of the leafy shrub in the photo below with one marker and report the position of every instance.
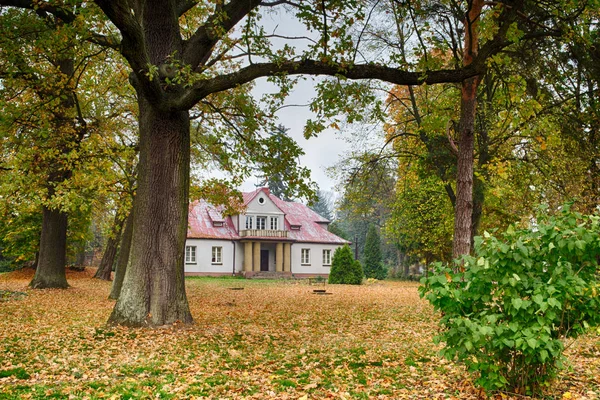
(344, 268)
(373, 263)
(506, 310)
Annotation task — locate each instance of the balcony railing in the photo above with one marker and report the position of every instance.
(263, 233)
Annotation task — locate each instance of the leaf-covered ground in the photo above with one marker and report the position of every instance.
(269, 340)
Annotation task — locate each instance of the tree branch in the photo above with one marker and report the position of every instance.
(311, 67)
(199, 47)
(61, 13)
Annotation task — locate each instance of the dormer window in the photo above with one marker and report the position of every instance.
(248, 222)
(274, 223)
(295, 227)
(218, 223)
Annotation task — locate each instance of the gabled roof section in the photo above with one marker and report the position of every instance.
(302, 223)
(201, 222)
(249, 198)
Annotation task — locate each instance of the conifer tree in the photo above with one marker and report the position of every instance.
(373, 265)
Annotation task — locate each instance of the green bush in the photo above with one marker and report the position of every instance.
(344, 268)
(506, 310)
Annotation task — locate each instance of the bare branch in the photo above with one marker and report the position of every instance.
(452, 144)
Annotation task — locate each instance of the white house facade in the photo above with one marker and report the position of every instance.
(271, 237)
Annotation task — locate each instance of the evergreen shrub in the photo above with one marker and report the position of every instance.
(344, 268)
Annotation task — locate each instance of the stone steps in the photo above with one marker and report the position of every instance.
(268, 275)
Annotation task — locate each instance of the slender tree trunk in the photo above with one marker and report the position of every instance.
(153, 292)
(50, 271)
(123, 259)
(464, 176)
(80, 260)
(110, 252)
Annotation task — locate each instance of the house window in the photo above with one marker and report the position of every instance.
(190, 254)
(248, 222)
(217, 255)
(261, 223)
(305, 257)
(274, 223)
(326, 257)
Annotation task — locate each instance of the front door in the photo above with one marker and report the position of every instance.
(264, 260)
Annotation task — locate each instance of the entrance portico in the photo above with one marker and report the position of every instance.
(266, 256)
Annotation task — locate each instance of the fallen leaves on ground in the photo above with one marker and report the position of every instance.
(272, 339)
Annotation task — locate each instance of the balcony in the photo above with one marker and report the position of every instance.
(263, 233)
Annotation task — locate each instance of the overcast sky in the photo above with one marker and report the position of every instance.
(320, 152)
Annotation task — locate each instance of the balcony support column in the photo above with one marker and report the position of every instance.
(279, 257)
(256, 246)
(287, 257)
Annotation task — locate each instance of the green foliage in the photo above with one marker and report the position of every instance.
(374, 267)
(344, 268)
(507, 310)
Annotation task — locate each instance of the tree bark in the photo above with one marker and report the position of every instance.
(463, 211)
(153, 292)
(123, 259)
(110, 252)
(50, 271)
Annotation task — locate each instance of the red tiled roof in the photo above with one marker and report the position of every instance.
(202, 215)
(200, 223)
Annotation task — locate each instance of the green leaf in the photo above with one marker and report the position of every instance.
(533, 343)
(517, 303)
(552, 302)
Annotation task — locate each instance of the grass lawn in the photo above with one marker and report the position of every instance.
(270, 340)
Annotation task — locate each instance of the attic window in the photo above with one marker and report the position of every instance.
(218, 223)
(295, 227)
(261, 200)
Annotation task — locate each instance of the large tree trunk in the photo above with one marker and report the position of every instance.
(50, 271)
(123, 259)
(110, 252)
(153, 292)
(463, 211)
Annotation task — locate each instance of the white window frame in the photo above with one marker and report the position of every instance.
(305, 256)
(249, 219)
(260, 226)
(217, 255)
(327, 257)
(274, 223)
(190, 254)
